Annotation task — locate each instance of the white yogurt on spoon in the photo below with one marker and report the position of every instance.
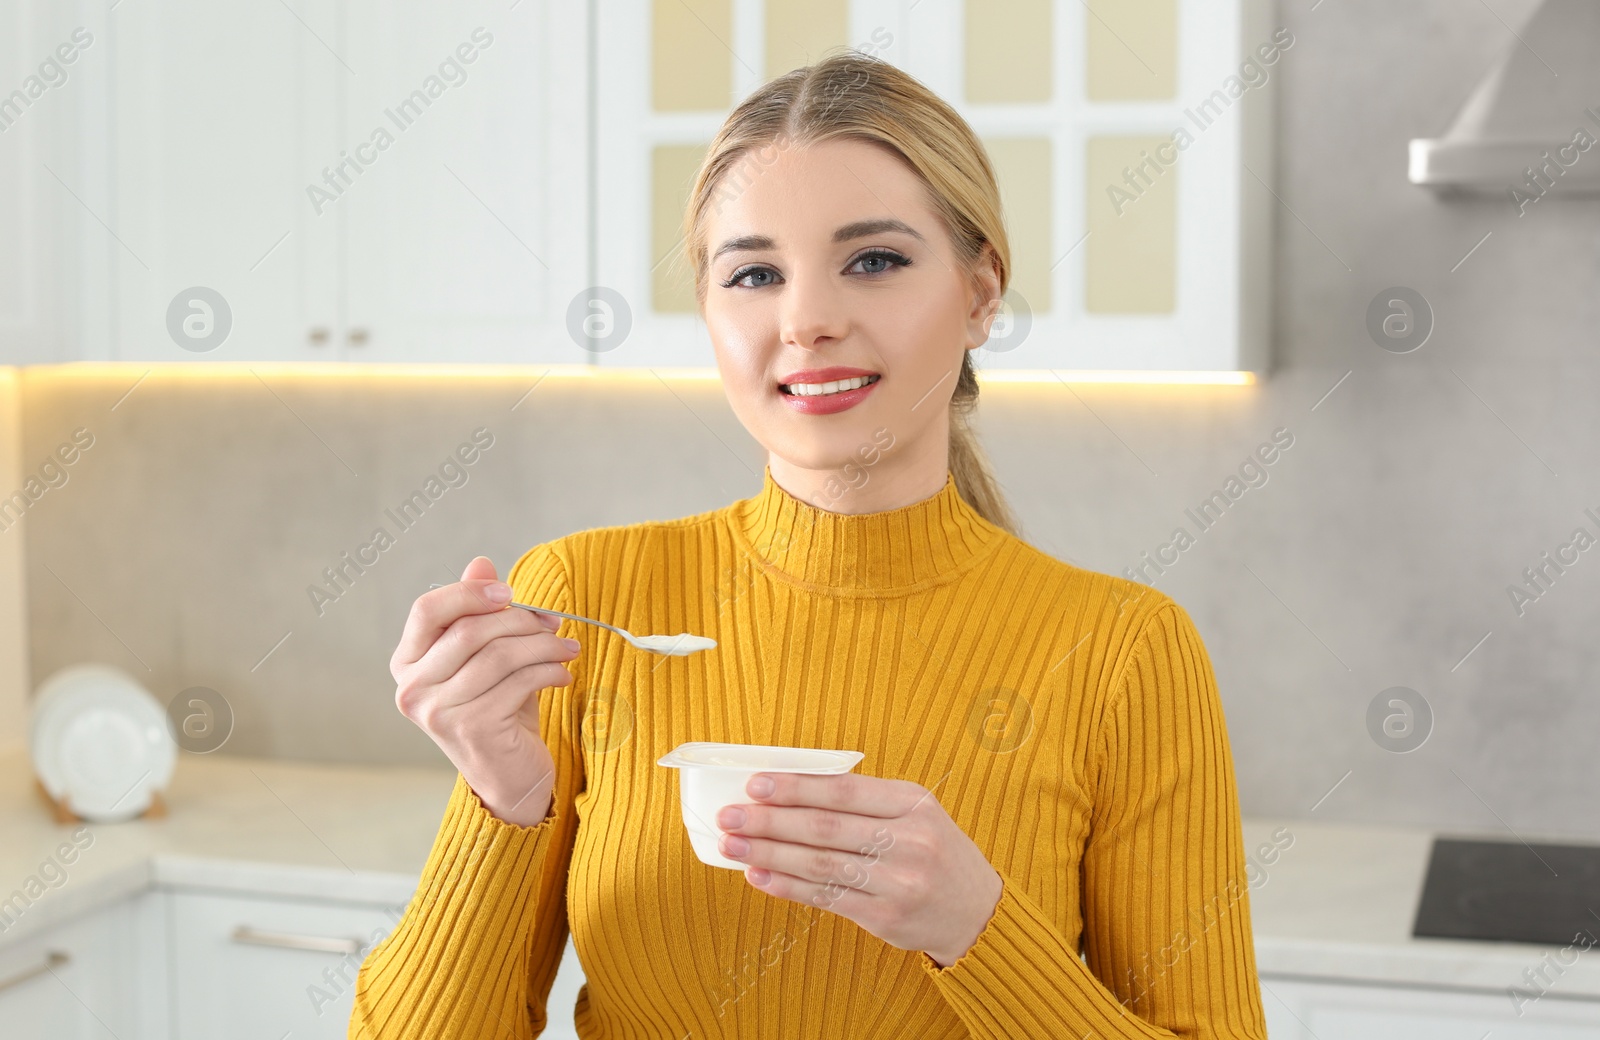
(675, 646)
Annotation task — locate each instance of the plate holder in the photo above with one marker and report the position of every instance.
(62, 812)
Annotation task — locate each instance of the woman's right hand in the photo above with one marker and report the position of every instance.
(468, 672)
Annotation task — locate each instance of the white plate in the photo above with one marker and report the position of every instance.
(99, 742)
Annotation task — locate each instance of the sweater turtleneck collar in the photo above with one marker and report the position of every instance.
(898, 550)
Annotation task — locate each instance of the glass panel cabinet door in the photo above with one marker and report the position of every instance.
(1130, 139)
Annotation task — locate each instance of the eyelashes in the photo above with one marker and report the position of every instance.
(741, 273)
(894, 259)
(890, 255)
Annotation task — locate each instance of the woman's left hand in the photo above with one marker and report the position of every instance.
(880, 852)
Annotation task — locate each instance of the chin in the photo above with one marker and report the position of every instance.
(826, 457)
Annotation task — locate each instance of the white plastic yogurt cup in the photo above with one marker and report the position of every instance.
(713, 775)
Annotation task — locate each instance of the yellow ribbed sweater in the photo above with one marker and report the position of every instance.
(1067, 720)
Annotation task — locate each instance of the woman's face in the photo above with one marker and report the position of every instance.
(829, 256)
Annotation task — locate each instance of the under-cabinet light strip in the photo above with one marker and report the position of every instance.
(365, 370)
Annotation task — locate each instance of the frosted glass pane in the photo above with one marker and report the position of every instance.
(672, 171)
(691, 65)
(1009, 51)
(1022, 165)
(799, 32)
(1132, 207)
(1132, 50)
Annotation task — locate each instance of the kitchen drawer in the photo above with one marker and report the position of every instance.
(1299, 1009)
(78, 980)
(258, 966)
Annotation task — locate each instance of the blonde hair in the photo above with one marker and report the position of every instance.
(855, 95)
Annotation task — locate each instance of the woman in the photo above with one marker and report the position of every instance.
(1047, 771)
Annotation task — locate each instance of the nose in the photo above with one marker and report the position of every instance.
(812, 312)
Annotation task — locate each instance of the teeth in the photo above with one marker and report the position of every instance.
(820, 389)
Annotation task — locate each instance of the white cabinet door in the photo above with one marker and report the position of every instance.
(30, 213)
(465, 149)
(222, 114)
(76, 981)
(330, 180)
(1302, 1010)
(267, 967)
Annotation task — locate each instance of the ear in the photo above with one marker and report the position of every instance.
(986, 298)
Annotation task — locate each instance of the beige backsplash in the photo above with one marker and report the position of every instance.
(183, 545)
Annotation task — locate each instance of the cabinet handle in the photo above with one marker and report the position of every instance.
(318, 335)
(290, 941)
(52, 960)
(357, 336)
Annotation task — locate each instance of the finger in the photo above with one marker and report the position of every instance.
(467, 636)
(806, 862)
(499, 659)
(843, 900)
(843, 792)
(807, 825)
(436, 610)
(476, 718)
(507, 698)
(482, 569)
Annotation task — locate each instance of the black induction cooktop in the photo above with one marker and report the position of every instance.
(1511, 892)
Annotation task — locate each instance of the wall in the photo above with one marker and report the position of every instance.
(13, 594)
(1377, 554)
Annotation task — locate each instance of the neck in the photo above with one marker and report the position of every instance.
(893, 478)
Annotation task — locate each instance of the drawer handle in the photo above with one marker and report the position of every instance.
(52, 960)
(290, 941)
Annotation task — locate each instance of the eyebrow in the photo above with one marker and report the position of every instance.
(857, 229)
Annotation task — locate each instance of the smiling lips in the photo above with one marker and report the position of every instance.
(824, 375)
(810, 389)
(828, 390)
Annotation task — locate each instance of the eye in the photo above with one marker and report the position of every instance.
(889, 256)
(744, 272)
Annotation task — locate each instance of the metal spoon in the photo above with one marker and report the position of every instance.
(680, 645)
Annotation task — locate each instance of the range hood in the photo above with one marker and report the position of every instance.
(1533, 124)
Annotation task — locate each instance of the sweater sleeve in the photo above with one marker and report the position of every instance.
(477, 949)
(1168, 946)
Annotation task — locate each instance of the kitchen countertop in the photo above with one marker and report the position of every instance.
(247, 825)
(1339, 905)
(1336, 904)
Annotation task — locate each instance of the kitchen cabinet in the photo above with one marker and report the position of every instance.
(86, 978)
(504, 183)
(1300, 1009)
(43, 312)
(331, 181)
(467, 239)
(1132, 143)
(216, 114)
(190, 964)
(284, 966)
